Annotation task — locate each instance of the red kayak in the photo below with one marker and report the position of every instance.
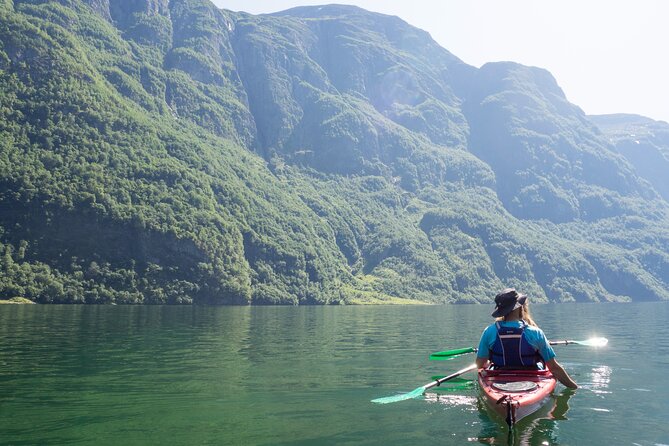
(515, 394)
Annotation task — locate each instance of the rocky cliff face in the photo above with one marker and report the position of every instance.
(346, 91)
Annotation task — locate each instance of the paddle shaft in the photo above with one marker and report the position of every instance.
(461, 351)
(594, 342)
(474, 349)
(451, 376)
(565, 342)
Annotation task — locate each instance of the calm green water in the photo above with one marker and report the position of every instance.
(305, 376)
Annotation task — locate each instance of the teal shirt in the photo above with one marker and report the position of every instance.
(534, 335)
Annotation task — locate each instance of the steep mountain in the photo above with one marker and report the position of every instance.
(172, 152)
(643, 142)
(549, 159)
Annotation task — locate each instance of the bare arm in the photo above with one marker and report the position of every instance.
(560, 373)
(481, 362)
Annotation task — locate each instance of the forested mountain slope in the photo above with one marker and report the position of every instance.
(155, 151)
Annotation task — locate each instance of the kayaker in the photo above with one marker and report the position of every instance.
(500, 344)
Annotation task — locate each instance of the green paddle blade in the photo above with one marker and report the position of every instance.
(450, 354)
(448, 389)
(452, 381)
(453, 385)
(401, 397)
(419, 391)
(446, 358)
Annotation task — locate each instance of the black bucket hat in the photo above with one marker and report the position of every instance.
(507, 301)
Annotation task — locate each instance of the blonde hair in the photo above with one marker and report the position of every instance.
(524, 314)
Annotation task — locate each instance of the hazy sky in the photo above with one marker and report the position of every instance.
(609, 56)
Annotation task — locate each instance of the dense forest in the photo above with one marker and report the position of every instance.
(161, 151)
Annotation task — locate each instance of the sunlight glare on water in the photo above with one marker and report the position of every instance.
(596, 342)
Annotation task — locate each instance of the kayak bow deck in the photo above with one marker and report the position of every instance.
(515, 394)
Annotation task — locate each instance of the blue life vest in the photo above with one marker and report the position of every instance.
(511, 348)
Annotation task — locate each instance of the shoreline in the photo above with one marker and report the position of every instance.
(17, 301)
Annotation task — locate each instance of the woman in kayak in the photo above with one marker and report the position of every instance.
(515, 340)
